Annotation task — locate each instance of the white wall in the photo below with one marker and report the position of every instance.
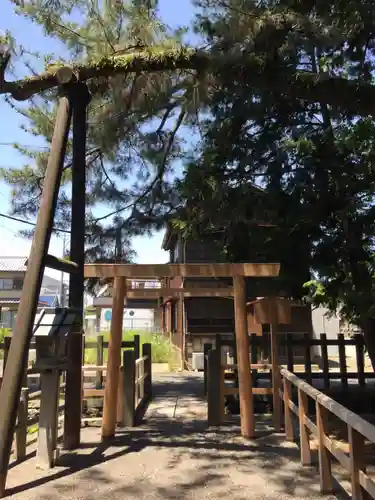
(141, 319)
(323, 322)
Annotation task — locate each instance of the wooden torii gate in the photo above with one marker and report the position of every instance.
(121, 272)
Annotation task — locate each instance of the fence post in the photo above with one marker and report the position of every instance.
(213, 387)
(357, 463)
(325, 460)
(137, 346)
(342, 360)
(254, 358)
(289, 354)
(120, 398)
(288, 423)
(325, 361)
(206, 349)
(146, 351)
(128, 357)
(21, 430)
(303, 432)
(308, 368)
(360, 355)
(7, 341)
(48, 421)
(99, 361)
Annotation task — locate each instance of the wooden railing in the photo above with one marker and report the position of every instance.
(47, 431)
(217, 389)
(328, 372)
(135, 388)
(359, 430)
(99, 345)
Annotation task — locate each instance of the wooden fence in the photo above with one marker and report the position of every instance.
(312, 369)
(358, 431)
(325, 370)
(138, 388)
(99, 345)
(328, 371)
(135, 386)
(217, 390)
(49, 428)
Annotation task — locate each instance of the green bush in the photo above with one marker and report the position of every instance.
(161, 350)
(4, 332)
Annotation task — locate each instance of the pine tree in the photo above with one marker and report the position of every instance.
(134, 121)
(313, 160)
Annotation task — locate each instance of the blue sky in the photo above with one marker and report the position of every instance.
(174, 13)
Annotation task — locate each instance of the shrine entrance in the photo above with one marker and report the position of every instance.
(120, 273)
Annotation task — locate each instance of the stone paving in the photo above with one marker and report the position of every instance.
(172, 455)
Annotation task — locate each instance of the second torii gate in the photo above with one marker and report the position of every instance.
(121, 272)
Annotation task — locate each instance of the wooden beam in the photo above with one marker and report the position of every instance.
(155, 293)
(184, 270)
(276, 376)
(180, 328)
(162, 318)
(22, 332)
(73, 406)
(243, 359)
(64, 265)
(168, 317)
(114, 360)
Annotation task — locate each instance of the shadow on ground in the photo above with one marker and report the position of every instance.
(172, 459)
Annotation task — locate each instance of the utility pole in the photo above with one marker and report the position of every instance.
(118, 247)
(62, 287)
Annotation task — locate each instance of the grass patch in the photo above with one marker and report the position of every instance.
(4, 332)
(32, 429)
(162, 352)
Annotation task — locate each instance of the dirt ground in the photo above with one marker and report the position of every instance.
(172, 455)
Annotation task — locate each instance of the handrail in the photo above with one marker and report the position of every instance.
(141, 360)
(358, 430)
(254, 366)
(350, 418)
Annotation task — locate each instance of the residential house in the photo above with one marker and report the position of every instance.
(12, 274)
(139, 314)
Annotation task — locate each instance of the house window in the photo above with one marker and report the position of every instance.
(17, 284)
(11, 284)
(6, 284)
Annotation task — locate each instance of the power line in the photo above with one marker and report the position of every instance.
(22, 221)
(8, 144)
(33, 224)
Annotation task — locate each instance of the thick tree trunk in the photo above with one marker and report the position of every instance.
(369, 336)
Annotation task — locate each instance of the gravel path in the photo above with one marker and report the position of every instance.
(172, 455)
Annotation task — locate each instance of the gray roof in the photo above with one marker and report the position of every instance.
(16, 264)
(9, 301)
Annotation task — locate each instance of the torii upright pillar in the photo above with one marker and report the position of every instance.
(114, 359)
(73, 390)
(243, 359)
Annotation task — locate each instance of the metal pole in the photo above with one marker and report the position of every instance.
(62, 301)
(73, 393)
(14, 370)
